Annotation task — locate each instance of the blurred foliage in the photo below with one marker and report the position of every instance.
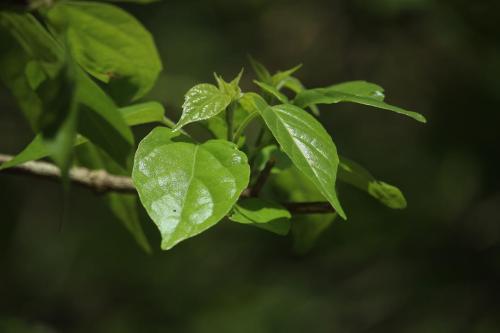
(434, 267)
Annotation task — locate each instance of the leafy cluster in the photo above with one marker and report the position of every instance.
(78, 70)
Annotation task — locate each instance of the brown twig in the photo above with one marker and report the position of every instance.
(102, 182)
(97, 180)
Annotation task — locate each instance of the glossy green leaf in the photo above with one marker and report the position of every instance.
(272, 91)
(263, 214)
(186, 188)
(137, 114)
(307, 143)
(357, 176)
(356, 92)
(360, 89)
(201, 102)
(109, 43)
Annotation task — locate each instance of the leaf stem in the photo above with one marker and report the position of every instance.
(170, 124)
(229, 121)
(167, 122)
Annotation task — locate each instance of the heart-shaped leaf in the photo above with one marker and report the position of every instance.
(185, 187)
(307, 143)
(201, 102)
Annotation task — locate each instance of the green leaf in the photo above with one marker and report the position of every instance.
(232, 88)
(272, 91)
(201, 102)
(101, 122)
(294, 84)
(307, 143)
(263, 214)
(35, 41)
(187, 188)
(357, 176)
(218, 125)
(110, 44)
(123, 206)
(356, 92)
(279, 79)
(260, 70)
(137, 114)
(58, 122)
(143, 113)
(360, 89)
(28, 56)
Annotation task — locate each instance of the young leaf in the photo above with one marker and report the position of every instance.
(201, 102)
(272, 91)
(230, 88)
(263, 214)
(280, 78)
(356, 92)
(260, 70)
(109, 43)
(357, 176)
(307, 143)
(186, 188)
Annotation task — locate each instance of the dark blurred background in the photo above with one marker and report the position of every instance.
(434, 267)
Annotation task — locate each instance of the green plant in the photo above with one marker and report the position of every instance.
(75, 67)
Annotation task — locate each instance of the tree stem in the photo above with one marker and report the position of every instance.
(103, 182)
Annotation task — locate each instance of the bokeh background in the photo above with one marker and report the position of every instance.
(434, 267)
